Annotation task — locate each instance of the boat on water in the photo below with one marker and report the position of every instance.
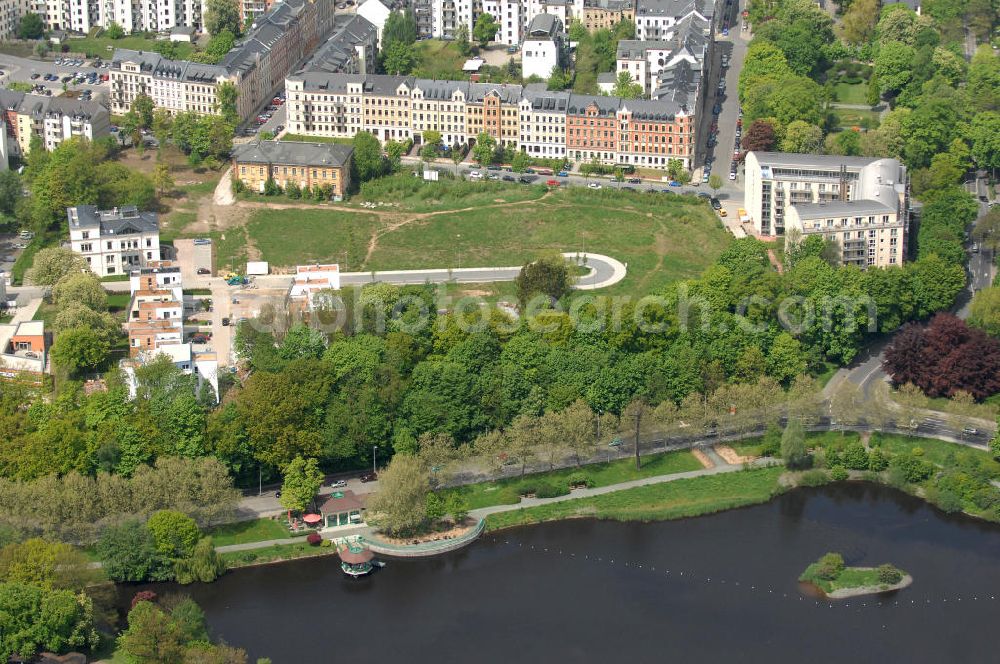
(357, 560)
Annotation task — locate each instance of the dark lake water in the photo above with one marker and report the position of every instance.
(719, 588)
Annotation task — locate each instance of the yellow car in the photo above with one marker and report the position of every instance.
(722, 213)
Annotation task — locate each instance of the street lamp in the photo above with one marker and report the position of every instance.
(374, 449)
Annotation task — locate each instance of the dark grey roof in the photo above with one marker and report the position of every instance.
(434, 89)
(318, 81)
(605, 105)
(657, 111)
(386, 84)
(338, 53)
(679, 84)
(544, 26)
(633, 49)
(840, 209)
(118, 221)
(292, 152)
(543, 101)
(509, 94)
(160, 67)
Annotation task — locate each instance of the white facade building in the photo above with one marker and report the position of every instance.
(543, 46)
(375, 13)
(510, 15)
(543, 123)
(777, 181)
(655, 19)
(114, 241)
(11, 12)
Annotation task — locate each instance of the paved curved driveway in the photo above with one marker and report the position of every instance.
(604, 271)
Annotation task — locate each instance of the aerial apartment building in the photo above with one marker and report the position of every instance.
(276, 43)
(861, 203)
(53, 119)
(581, 127)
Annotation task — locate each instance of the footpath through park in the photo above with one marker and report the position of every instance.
(720, 466)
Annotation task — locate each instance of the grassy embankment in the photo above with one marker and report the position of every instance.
(670, 500)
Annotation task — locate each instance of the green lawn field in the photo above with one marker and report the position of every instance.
(493, 224)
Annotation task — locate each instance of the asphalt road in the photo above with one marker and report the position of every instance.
(867, 370)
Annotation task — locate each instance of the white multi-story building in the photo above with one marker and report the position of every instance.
(543, 123)
(114, 241)
(447, 15)
(543, 46)
(53, 119)
(775, 182)
(131, 15)
(276, 44)
(11, 12)
(868, 233)
(655, 19)
(509, 14)
(375, 13)
(176, 85)
(438, 106)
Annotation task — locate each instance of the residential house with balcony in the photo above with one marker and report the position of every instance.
(776, 182)
(114, 241)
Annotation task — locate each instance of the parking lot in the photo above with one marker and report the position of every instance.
(51, 75)
(11, 246)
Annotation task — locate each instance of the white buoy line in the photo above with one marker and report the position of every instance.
(872, 601)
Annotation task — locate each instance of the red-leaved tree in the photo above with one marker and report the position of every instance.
(945, 357)
(759, 136)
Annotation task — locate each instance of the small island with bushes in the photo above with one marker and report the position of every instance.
(829, 575)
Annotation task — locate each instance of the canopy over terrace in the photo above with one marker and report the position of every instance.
(342, 508)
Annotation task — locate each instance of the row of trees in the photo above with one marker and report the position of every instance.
(76, 508)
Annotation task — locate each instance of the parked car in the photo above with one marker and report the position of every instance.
(509, 178)
(552, 183)
(716, 109)
(527, 179)
(716, 205)
(634, 181)
(475, 175)
(563, 174)
(34, 76)
(969, 431)
(593, 185)
(338, 484)
(225, 322)
(674, 183)
(369, 477)
(199, 339)
(204, 270)
(732, 175)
